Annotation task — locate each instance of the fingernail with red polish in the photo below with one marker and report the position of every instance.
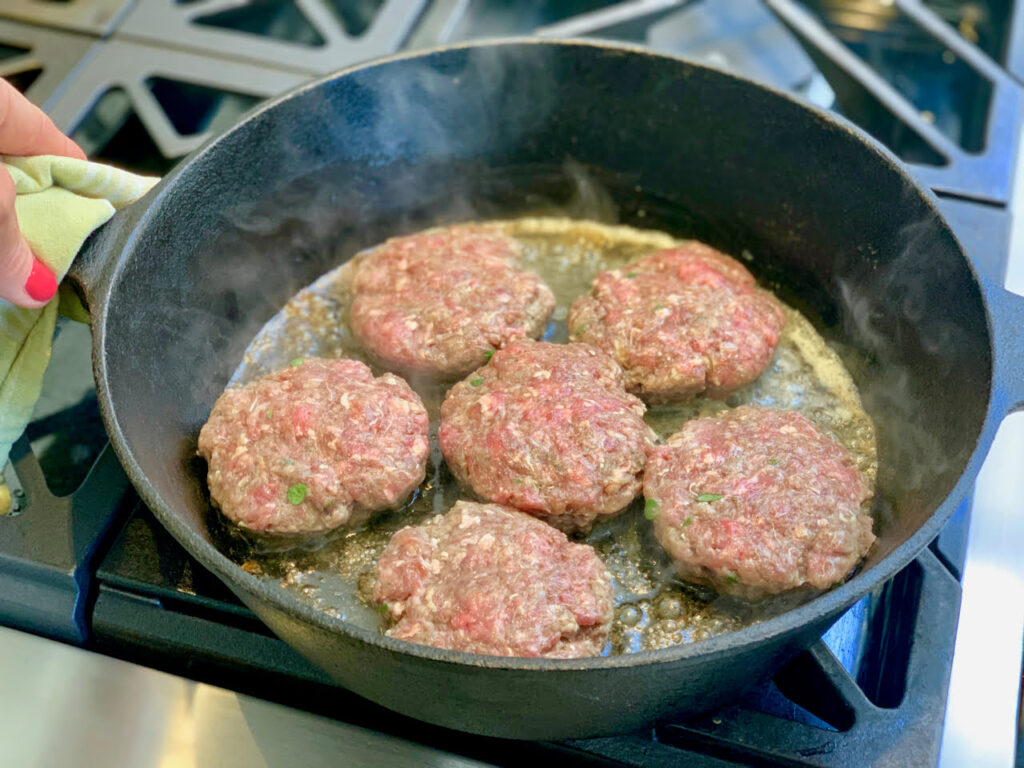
(41, 284)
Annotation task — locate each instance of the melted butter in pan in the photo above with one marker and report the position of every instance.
(653, 609)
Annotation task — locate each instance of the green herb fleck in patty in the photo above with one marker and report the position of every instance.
(297, 493)
(651, 509)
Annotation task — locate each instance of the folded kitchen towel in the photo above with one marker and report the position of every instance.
(60, 201)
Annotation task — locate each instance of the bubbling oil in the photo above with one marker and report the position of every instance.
(653, 609)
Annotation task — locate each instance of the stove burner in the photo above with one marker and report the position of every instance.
(946, 165)
(973, 164)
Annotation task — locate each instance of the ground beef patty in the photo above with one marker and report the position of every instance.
(436, 302)
(488, 579)
(314, 446)
(680, 322)
(548, 429)
(755, 502)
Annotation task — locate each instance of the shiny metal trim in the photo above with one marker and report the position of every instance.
(1015, 42)
(981, 712)
(64, 706)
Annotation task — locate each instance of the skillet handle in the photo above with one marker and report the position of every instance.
(1006, 311)
(90, 272)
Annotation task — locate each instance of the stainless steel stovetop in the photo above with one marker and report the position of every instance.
(143, 82)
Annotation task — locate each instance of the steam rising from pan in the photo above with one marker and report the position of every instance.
(883, 308)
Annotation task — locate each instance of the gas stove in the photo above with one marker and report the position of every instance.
(141, 83)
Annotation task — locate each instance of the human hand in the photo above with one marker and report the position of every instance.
(24, 130)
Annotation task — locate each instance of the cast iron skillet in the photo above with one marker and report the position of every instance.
(179, 284)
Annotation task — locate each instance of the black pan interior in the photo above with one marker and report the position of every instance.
(499, 131)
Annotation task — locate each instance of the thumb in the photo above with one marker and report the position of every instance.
(24, 280)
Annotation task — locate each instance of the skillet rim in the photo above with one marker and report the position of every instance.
(242, 583)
